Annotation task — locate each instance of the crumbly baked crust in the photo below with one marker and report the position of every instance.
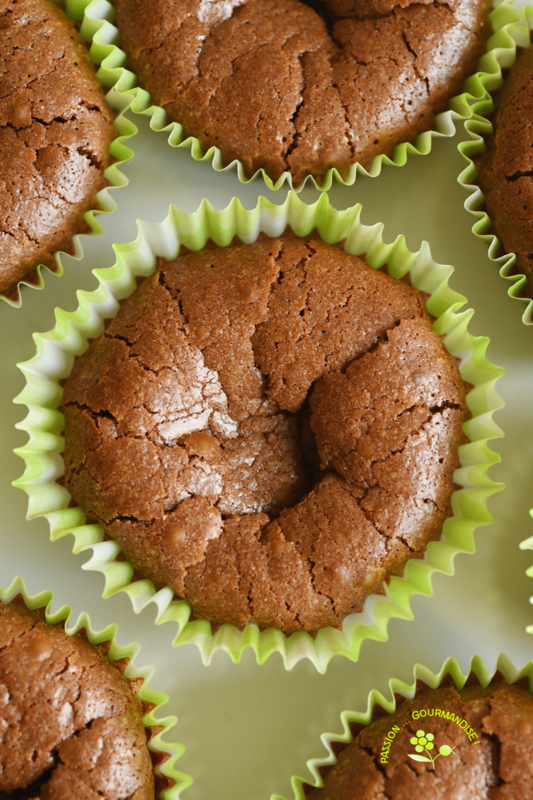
(498, 768)
(507, 167)
(55, 132)
(70, 724)
(281, 85)
(191, 438)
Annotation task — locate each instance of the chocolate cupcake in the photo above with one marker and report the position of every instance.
(271, 429)
(507, 167)
(446, 743)
(55, 133)
(302, 86)
(71, 723)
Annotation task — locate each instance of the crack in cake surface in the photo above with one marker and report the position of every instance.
(69, 721)
(492, 763)
(55, 133)
(303, 86)
(243, 415)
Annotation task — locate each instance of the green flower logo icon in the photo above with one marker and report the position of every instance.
(423, 743)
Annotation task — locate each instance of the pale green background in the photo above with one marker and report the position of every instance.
(248, 728)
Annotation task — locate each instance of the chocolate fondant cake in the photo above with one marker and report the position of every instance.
(302, 86)
(271, 429)
(71, 724)
(446, 744)
(507, 167)
(55, 133)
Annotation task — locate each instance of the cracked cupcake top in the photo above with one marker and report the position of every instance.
(302, 85)
(467, 744)
(507, 167)
(55, 132)
(271, 429)
(70, 724)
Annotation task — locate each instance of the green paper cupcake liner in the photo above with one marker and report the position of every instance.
(168, 752)
(98, 28)
(505, 42)
(420, 673)
(119, 154)
(57, 349)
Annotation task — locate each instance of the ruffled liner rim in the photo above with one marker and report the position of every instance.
(514, 35)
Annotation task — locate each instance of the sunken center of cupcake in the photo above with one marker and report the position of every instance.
(266, 463)
(204, 380)
(323, 11)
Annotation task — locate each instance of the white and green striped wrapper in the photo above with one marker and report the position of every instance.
(516, 33)
(57, 349)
